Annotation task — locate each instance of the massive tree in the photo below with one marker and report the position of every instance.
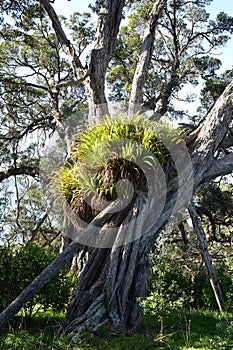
(167, 44)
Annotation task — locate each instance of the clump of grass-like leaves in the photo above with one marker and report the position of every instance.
(113, 150)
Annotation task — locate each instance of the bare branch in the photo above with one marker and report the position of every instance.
(68, 48)
(71, 82)
(24, 170)
(220, 167)
(141, 71)
(197, 225)
(24, 83)
(38, 224)
(34, 125)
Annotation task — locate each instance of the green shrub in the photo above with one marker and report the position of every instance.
(170, 288)
(7, 286)
(18, 268)
(203, 293)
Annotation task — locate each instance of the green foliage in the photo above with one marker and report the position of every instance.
(202, 292)
(213, 87)
(215, 203)
(170, 289)
(19, 266)
(115, 143)
(32, 64)
(177, 284)
(182, 330)
(185, 40)
(82, 31)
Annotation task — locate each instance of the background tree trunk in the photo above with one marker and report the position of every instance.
(207, 258)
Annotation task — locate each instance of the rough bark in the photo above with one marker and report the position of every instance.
(220, 167)
(93, 77)
(110, 284)
(79, 71)
(136, 97)
(211, 134)
(106, 33)
(197, 225)
(216, 124)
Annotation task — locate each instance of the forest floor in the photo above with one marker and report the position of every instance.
(203, 330)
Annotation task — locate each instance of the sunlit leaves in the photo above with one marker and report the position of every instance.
(113, 144)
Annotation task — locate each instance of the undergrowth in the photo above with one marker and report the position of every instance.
(179, 330)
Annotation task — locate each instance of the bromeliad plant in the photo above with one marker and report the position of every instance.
(115, 149)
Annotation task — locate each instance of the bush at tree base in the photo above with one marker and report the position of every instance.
(173, 287)
(19, 265)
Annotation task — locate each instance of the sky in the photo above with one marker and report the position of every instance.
(65, 7)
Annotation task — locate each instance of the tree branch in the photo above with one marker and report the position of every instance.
(216, 123)
(39, 223)
(105, 37)
(136, 97)
(43, 278)
(71, 82)
(197, 225)
(24, 170)
(50, 271)
(212, 132)
(220, 167)
(215, 126)
(68, 48)
(24, 83)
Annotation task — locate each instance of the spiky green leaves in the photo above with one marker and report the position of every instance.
(115, 149)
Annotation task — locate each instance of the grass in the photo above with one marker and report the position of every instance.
(184, 330)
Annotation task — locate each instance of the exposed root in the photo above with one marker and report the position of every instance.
(92, 320)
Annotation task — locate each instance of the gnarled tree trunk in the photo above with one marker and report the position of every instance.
(114, 279)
